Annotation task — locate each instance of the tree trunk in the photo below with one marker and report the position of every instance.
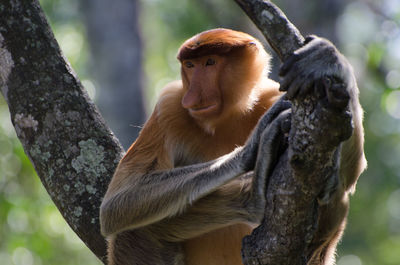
(312, 157)
(73, 151)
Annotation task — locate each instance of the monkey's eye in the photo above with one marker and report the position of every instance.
(189, 64)
(210, 61)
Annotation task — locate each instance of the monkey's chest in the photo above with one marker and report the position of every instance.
(219, 247)
(205, 149)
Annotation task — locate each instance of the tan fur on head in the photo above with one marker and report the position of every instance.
(248, 65)
(219, 41)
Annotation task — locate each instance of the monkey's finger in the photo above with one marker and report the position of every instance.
(294, 87)
(337, 94)
(286, 125)
(287, 64)
(306, 86)
(281, 105)
(302, 57)
(289, 77)
(311, 45)
(319, 89)
(309, 38)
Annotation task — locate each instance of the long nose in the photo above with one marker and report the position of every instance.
(192, 98)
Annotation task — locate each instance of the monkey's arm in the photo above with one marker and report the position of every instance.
(140, 195)
(319, 69)
(149, 198)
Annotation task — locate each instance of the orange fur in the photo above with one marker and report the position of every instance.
(244, 60)
(185, 131)
(172, 137)
(216, 41)
(192, 145)
(222, 246)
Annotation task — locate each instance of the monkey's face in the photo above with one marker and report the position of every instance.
(203, 98)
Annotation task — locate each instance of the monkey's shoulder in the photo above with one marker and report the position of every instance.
(169, 100)
(168, 110)
(269, 93)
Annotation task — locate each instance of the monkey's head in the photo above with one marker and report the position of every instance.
(220, 71)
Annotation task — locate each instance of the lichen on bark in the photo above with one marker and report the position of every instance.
(69, 144)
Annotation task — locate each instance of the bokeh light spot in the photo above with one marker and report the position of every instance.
(393, 79)
(17, 220)
(22, 256)
(393, 104)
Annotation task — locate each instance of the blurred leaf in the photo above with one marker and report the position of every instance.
(375, 54)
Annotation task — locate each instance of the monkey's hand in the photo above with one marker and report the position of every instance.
(249, 153)
(273, 143)
(318, 67)
(319, 72)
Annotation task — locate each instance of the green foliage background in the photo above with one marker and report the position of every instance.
(32, 232)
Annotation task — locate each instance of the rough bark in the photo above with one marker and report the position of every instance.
(73, 151)
(280, 33)
(307, 19)
(311, 159)
(294, 187)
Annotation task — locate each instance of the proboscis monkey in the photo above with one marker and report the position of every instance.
(186, 191)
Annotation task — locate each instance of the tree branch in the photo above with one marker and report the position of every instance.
(73, 151)
(290, 218)
(280, 33)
